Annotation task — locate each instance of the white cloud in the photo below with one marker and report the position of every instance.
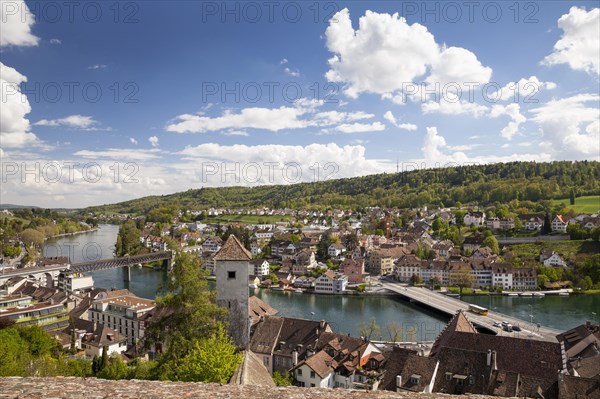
(523, 90)
(579, 46)
(55, 41)
(285, 160)
(283, 61)
(16, 20)
(389, 116)
(360, 127)
(120, 154)
(73, 121)
(133, 141)
(153, 141)
(334, 117)
(571, 125)
(514, 112)
(235, 133)
(437, 152)
(386, 55)
(382, 55)
(458, 107)
(457, 66)
(15, 129)
(97, 66)
(292, 72)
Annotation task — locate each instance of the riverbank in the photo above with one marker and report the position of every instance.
(72, 234)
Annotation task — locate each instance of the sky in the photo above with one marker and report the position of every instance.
(105, 101)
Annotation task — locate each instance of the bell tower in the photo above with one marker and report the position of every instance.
(232, 271)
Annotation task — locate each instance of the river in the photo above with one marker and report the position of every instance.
(345, 313)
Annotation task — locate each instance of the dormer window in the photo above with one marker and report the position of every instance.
(414, 379)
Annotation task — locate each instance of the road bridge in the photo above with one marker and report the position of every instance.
(448, 305)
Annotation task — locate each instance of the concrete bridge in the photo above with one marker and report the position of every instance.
(450, 306)
(47, 275)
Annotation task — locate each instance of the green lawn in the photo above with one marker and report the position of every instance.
(589, 204)
(563, 247)
(248, 219)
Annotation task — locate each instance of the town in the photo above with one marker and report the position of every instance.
(444, 251)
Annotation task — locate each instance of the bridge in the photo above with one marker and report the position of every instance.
(450, 306)
(49, 274)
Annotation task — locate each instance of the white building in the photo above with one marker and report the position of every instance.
(121, 310)
(260, 267)
(559, 224)
(474, 219)
(331, 283)
(316, 371)
(555, 260)
(71, 282)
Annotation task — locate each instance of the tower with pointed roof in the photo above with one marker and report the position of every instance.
(232, 271)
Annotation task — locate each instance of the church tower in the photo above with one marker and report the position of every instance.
(232, 270)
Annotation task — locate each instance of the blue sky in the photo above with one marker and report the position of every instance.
(108, 101)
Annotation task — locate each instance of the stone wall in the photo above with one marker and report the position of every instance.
(92, 388)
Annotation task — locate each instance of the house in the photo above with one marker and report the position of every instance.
(405, 370)
(316, 371)
(559, 223)
(554, 260)
(407, 266)
(474, 219)
(443, 248)
(472, 243)
(331, 283)
(532, 222)
(502, 275)
(525, 278)
(212, 244)
(335, 250)
(260, 267)
(93, 337)
(121, 310)
(255, 248)
(500, 224)
(380, 262)
(354, 269)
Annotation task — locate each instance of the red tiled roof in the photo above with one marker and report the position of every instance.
(233, 250)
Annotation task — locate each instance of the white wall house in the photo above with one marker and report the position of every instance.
(331, 283)
(555, 260)
(313, 371)
(559, 224)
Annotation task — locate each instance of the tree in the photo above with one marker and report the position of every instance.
(547, 227)
(104, 359)
(350, 241)
(542, 279)
(394, 331)
(189, 312)
(462, 279)
(283, 380)
(33, 237)
(587, 283)
(572, 196)
(323, 246)
(415, 279)
(492, 243)
(212, 359)
(370, 329)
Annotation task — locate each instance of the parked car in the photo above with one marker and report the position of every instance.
(516, 328)
(508, 328)
(497, 324)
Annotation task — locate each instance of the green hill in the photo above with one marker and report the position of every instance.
(481, 184)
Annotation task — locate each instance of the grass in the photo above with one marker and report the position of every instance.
(586, 204)
(580, 248)
(247, 219)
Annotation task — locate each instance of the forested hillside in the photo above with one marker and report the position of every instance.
(481, 184)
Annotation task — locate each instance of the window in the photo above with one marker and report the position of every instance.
(312, 385)
(448, 376)
(299, 371)
(471, 379)
(230, 275)
(312, 374)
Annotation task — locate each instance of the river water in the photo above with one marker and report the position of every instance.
(346, 314)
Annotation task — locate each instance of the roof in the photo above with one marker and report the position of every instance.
(266, 334)
(321, 363)
(462, 364)
(258, 308)
(570, 387)
(458, 323)
(396, 360)
(233, 250)
(252, 372)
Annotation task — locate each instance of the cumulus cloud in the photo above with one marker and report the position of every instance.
(15, 129)
(153, 141)
(386, 54)
(389, 116)
(279, 164)
(450, 107)
(579, 46)
(73, 121)
(133, 141)
(514, 112)
(570, 125)
(232, 132)
(55, 41)
(17, 21)
(292, 72)
(360, 127)
(523, 90)
(120, 154)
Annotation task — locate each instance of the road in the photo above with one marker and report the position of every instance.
(451, 305)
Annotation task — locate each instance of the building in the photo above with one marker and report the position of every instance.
(212, 244)
(92, 337)
(24, 311)
(554, 260)
(331, 283)
(500, 224)
(260, 267)
(74, 283)
(407, 266)
(560, 223)
(380, 262)
(121, 311)
(336, 249)
(232, 264)
(354, 269)
(474, 219)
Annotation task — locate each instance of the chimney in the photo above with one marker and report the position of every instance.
(398, 381)
(494, 364)
(489, 358)
(322, 325)
(295, 357)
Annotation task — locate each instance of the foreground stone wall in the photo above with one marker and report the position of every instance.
(92, 388)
